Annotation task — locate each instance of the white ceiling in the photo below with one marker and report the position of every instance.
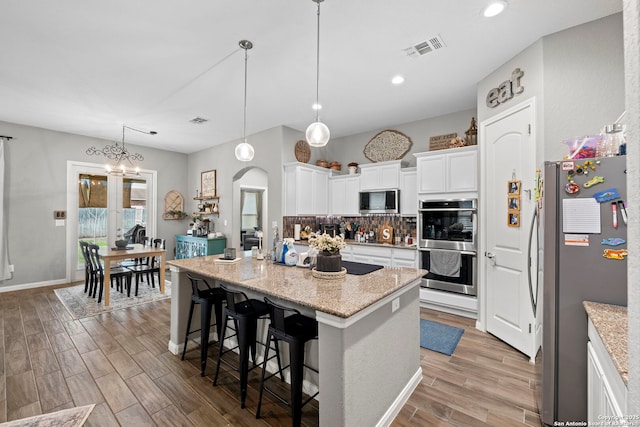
(88, 66)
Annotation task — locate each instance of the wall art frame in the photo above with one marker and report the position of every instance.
(208, 184)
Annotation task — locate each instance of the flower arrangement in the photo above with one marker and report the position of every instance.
(326, 243)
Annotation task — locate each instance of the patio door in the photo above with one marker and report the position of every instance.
(103, 208)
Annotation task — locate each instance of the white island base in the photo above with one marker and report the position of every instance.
(368, 362)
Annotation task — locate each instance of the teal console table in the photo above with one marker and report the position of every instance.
(190, 247)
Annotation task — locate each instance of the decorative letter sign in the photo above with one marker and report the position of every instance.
(506, 90)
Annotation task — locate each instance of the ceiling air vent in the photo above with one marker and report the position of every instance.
(199, 120)
(422, 48)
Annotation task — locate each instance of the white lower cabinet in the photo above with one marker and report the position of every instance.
(380, 255)
(606, 391)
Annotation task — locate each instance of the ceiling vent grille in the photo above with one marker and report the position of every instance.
(198, 120)
(422, 48)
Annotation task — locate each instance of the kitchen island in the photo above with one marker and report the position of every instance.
(368, 349)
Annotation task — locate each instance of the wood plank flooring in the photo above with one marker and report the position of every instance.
(120, 362)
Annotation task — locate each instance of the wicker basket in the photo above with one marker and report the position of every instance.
(302, 151)
(330, 275)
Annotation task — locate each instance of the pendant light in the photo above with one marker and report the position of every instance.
(318, 133)
(244, 150)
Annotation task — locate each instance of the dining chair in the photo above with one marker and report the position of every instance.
(88, 268)
(118, 274)
(148, 266)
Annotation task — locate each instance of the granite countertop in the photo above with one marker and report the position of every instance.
(611, 323)
(382, 245)
(341, 297)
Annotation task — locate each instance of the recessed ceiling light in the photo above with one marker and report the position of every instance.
(316, 106)
(494, 8)
(397, 80)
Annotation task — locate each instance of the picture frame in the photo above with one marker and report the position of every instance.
(513, 203)
(513, 187)
(208, 184)
(513, 219)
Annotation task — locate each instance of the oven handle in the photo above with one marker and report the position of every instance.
(449, 250)
(448, 210)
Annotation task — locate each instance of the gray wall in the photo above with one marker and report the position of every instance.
(577, 78)
(271, 151)
(632, 82)
(36, 185)
(350, 148)
(583, 81)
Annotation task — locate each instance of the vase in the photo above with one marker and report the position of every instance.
(329, 262)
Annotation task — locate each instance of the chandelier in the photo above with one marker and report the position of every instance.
(119, 155)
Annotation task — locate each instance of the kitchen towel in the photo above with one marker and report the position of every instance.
(445, 263)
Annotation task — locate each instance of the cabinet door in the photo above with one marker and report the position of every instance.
(595, 395)
(462, 171)
(369, 178)
(389, 176)
(351, 203)
(409, 193)
(320, 193)
(431, 174)
(304, 191)
(337, 191)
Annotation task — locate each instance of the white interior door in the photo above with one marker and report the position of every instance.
(510, 155)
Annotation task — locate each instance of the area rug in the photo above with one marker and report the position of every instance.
(80, 305)
(72, 417)
(438, 337)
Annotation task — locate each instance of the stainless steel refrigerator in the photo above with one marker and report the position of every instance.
(574, 271)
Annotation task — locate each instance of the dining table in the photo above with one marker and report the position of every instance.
(111, 255)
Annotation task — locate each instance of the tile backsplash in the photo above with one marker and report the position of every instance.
(402, 225)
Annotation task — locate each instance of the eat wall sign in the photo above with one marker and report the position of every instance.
(507, 90)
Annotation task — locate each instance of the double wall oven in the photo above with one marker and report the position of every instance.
(447, 241)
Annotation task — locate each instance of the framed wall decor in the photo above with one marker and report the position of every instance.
(514, 188)
(514, 203)
(208, 184)
(513, 219)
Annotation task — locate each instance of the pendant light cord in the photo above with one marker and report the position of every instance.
(244, 125)
(318, 65)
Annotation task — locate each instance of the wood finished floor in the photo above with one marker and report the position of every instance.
(120, 362)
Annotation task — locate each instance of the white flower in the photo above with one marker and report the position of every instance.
(326, 243)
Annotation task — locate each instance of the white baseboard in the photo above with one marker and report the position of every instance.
(25, 286)
(400, 401)
(461, 305)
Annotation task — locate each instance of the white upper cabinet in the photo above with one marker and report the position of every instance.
(448, 171)
(409, 191)
(306, 189)
(343, 195)
(380, 176)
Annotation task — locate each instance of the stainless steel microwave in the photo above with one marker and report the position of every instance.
(384, 202)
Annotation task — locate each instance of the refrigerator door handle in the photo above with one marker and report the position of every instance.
(533, 296)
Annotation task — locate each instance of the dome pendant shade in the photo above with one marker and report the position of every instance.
(318, 134)
(244, 152)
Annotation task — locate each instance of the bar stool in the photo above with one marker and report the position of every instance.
(296, 330)
(245, 313)
(207, 298)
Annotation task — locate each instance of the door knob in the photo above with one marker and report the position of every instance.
(491, 257)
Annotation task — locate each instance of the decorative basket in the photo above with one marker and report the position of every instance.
(329, 275)
(302, 151)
